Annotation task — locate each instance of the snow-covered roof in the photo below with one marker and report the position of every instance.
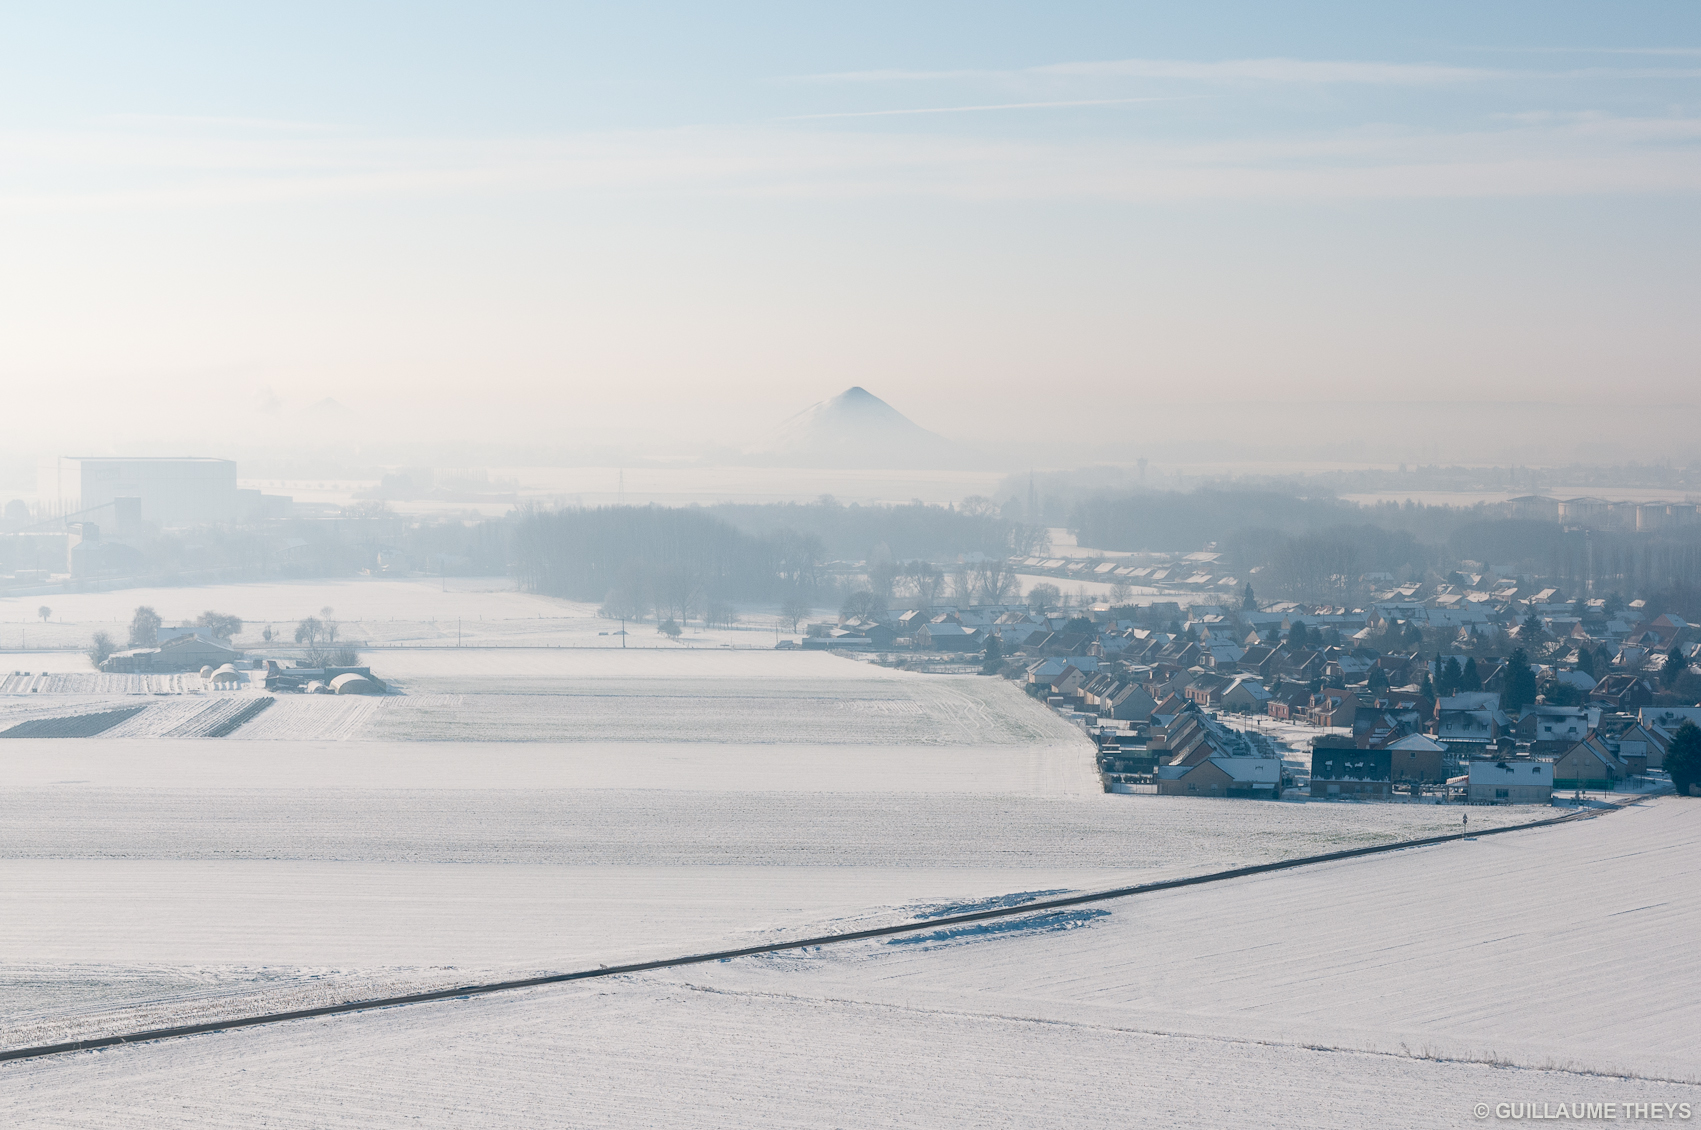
(1251, 770)
(1419, 742)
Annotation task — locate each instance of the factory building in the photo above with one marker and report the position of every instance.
(164, 492)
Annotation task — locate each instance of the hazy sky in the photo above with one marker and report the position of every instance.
(684, 223)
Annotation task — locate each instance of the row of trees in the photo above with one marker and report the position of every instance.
(678, 564)
(1316, 548)
(670, 563)
(880, 534)
(318, 633)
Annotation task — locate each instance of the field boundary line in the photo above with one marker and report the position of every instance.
(1041, 905)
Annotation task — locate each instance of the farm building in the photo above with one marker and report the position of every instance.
(184, 653)
(351, 683)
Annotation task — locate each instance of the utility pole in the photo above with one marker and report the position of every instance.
(623, 633)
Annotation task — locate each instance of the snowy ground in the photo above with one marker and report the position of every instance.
(657, 802)
(1570, 945)
(473, 611)
(544, 695)
(159, 879)
(1397, 990)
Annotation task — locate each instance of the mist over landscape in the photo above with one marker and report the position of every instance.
(951, 566)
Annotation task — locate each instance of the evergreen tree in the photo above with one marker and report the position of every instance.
(1248, 602)
(1296, 634)
(994, 656)
(1683, 759)
(1469, 680)
(1520, 682)
(1586, 661)
(1673, 668)
(1451, 676)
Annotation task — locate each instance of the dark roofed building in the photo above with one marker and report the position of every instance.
(1339, 768)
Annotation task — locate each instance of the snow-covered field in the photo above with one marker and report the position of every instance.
(1405, 989)
(471, 611)
(580, 696)
(269, 870)
(1570, 945)
(540, 809)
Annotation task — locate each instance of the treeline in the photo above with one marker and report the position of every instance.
(672, 563)
(908, 532)
(696, 562)
(295, 548)
(1317, 548)
(1171, 520)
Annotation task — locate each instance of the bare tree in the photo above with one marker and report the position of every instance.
(222, 625)
(794, 609)
(144, 627)
(1029, 541)
(929, 583)
(101, 648)
(962, 585)
(862, 603)
(1044, 597)
(719, 613)
(993, 580)
(882, 579)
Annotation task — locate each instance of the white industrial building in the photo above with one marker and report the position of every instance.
(168, 492)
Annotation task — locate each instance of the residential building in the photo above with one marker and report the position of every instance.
(1338, 769)
(1590, 764)
(1551, 729)
(1509, 782)
(1417, 758)
(1259, 777)
(1623, 691)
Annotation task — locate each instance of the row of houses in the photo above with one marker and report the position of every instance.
(1203, 571)
(1599, 513)
(1594, 762)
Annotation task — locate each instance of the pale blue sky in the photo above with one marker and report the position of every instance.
(683, 221)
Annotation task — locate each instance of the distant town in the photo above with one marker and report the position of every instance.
(1563, 661)
(1480, 689)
